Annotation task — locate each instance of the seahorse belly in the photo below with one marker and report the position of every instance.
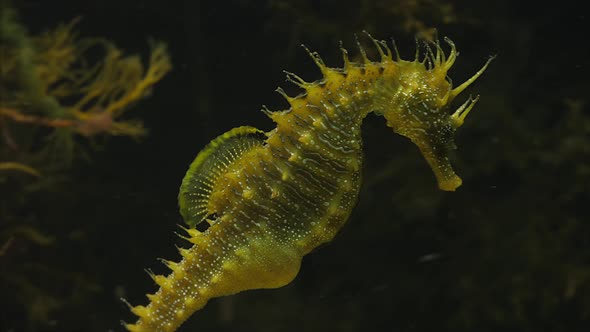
(228, 261)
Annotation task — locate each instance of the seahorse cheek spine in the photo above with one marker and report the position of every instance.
(271, 201)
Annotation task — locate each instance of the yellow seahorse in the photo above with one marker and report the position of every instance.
(257, 202)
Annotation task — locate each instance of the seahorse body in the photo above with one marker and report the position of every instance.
(270, 198)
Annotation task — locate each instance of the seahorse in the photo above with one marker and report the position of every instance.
(257, 202)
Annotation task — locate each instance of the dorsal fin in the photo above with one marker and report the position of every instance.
(209, 164)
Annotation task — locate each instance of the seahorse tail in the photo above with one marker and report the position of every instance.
(209, 269)
(184, 291)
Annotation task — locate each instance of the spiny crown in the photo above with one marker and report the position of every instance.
(432, 69)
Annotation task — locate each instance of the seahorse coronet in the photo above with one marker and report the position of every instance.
(269, 198)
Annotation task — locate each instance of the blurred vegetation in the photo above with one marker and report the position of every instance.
(57, 92)
(509, 251)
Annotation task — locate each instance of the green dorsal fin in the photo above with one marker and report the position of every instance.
(209, 164)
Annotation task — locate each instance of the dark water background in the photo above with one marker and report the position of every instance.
(509, 251)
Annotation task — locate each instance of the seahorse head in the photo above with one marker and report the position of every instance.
(418, 107)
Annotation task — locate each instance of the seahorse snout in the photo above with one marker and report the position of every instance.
(437, 158)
